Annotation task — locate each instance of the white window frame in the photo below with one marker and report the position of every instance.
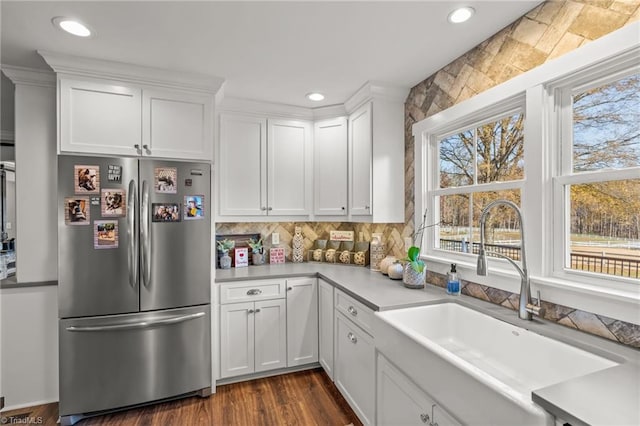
(543, 208)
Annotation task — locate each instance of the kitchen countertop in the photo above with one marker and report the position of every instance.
(607, 397)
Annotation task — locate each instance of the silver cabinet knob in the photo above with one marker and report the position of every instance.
(424, 418)
(137, 146)
(263, 208)
(250, 311)
(367, 207)
(146, 147)
(352, 338)
(269, 208)
(343, 208)
(289, 288)
(257, 310)
(352, 311)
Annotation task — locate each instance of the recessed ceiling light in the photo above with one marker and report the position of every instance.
(315, 96)
(461, 14)
(71, 26)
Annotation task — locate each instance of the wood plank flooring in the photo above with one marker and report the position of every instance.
(302, 398)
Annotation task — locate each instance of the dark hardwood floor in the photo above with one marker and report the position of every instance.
(303, 398)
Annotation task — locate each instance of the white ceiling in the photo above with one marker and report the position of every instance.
(270, 51)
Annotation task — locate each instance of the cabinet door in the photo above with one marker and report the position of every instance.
(355, 368)
(360, 161)
(99, 117)
(242, 159)
(271, 334)
(289, 169)
(325, 319)
(177, 124)
(330, 167)
(400, 402)
(236, 339)
(302, 321)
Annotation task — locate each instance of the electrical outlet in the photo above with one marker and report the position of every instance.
(8, 225)
(275, 238)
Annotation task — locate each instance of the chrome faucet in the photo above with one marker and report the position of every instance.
(525, 308)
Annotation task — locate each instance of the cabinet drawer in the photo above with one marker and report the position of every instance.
(354, 310)
(246, 291)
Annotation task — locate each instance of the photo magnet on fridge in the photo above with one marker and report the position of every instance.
(105, 234)
(193, 207)
(165, 212)
(86, 179)
(76, 211)
(166, 180)
(112, 202)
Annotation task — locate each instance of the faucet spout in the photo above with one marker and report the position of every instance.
(525, 308)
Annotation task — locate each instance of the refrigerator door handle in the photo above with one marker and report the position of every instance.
(132, 209)
(145, 225)
(138, 325)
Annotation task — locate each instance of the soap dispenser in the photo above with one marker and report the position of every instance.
(453, 281)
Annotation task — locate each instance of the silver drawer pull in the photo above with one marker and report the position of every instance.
(353, 338)
(424, 418)
(254, 292)
(352, 311)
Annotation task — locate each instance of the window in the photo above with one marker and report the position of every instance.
(574, 170)
(477, 165)
(599, 177)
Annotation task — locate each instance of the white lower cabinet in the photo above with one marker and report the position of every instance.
(252, 337)
(302, 321)
(325, 326)
(355, 367)
(400, 402)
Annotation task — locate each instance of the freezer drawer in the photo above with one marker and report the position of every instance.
(115, 361)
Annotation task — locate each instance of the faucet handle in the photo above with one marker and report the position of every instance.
(537, 309)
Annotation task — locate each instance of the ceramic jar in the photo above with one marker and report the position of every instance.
(395, 270)
(359, 258)
(377, 251)
(330, 255)
(317, 255)
(345, 257)
(385, 263)
(257, 258)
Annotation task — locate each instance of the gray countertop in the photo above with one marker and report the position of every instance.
(607, 397)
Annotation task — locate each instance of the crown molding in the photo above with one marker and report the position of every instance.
(29, 76)
(331, 111)
(241, 105)
(376, 90)
(137, 74)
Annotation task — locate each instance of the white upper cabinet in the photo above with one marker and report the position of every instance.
(360, 154)
(376, 154)
(265, 167)
(289, 170)
(330, 167)
(242, 172)
(98, 116)
(177, 124)
(111, 108)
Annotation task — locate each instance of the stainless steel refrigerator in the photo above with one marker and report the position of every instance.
(134, 265)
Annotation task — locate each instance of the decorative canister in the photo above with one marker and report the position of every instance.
(359, 258)
(330, 255)
(345, 257)
(413, 279)
(317, 255)
(258, 258)
(298, 246)
(225, 261)
(377, 251)
(395, 270)
(385, 263)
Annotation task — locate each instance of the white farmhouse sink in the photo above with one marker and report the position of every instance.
(480, 368)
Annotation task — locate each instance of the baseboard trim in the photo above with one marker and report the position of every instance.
(265, 374)
(28, 404)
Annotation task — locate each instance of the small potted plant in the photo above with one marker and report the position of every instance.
(223, 247)
(415, 270)
(256, 250)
